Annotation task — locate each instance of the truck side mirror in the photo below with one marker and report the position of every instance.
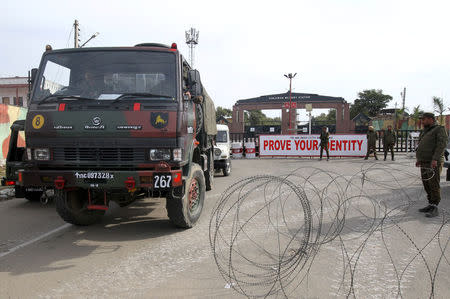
(195, 84)
(33, 76)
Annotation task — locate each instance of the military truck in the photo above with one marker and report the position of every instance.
(116, 124)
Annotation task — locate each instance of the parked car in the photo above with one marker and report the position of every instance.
(222, 148)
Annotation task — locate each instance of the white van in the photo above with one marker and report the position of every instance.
(222, 150)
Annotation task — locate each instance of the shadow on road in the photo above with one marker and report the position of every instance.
(68, 248)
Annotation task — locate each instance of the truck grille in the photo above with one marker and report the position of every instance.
(99, 154)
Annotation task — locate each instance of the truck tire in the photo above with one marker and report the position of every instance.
(227, 169)
(72, 207)
(209, 174)
(185, 210)
(33, 195)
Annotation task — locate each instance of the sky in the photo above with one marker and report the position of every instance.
(337, 48)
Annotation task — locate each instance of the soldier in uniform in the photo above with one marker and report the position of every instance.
(371, 143)
(324, 138)
(429, 157)
(389, 142)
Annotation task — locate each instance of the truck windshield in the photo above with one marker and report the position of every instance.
(106, 75)
(221, 136)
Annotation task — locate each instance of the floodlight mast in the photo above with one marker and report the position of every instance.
(192, 41)
(290, 76)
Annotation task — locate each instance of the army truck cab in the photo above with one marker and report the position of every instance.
(116, 124)
(222, 148)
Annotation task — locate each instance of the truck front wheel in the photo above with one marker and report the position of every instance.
(185, 210)
(72, 207)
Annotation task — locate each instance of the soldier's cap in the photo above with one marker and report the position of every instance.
(370, 127)
(427, 115)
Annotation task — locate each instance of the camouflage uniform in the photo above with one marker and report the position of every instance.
(432, 143)
(389, 139)
(324, 138)
(371, 144)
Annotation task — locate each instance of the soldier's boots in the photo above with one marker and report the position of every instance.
(426, 209)
(433, 212)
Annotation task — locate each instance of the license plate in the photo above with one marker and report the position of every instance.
(162, 181)
(94, 175)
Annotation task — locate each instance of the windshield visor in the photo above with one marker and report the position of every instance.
(106, 75)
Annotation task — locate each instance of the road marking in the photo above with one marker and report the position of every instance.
(67, 225)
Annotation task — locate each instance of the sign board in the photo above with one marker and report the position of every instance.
(272, 129)
(293, 105)
(308, 107)
(305, 130)
(309, 145)
(252, 129)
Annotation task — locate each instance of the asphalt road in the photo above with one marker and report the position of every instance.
(364, 238)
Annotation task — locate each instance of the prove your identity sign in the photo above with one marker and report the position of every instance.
(309, 145)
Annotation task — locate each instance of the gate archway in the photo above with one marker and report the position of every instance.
(281, 101)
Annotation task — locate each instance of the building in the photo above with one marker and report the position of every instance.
(13, 91)
(284, 101)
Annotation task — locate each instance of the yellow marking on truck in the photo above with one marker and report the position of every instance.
(38, 121)
(159, 120)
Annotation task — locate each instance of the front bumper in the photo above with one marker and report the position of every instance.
(104, 179)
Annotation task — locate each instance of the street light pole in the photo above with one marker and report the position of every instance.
(290, 76)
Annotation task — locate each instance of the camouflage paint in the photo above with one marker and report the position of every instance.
(8, 115)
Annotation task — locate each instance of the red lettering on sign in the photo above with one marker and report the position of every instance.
(344, 142)
(338, 145)
(353, 143)
(302, 145)
(277, 144)
(308, 145)
(270, 145)
(266, 143)
(297, 144)
(360, 144)
(315, 145)
(332, 144)
(288, 145)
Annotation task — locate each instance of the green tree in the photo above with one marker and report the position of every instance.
(438, 104)
(416, 115)
(220, 111)
(329, 118)
(370, 102)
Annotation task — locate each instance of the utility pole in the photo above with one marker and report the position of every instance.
(192, 41)
(403, 94)
(290, 76)
(76, 35)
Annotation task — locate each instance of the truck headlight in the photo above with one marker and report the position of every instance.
(217, 152)
(41, 154)
(159, 154)
(177, 154)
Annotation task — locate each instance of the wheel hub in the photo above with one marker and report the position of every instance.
(194, 194)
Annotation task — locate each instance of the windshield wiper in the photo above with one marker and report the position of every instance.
(140, 94)
(60, 97)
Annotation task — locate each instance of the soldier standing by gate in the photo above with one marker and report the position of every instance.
(324, 138)
(389, 142)
(371, 143)
(429, 157)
